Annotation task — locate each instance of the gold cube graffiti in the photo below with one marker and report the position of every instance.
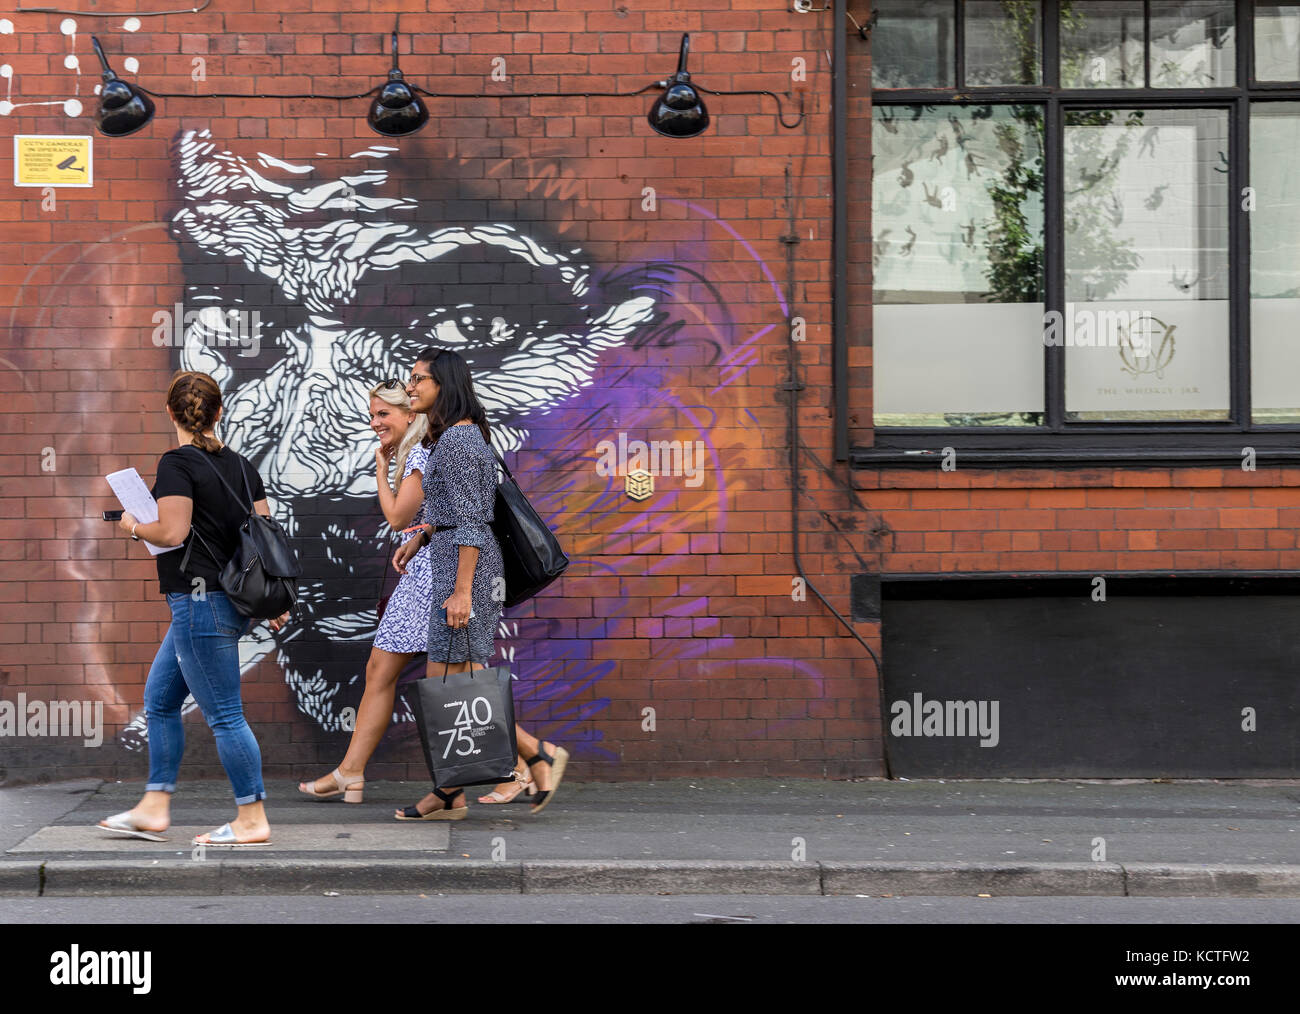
(639, 484)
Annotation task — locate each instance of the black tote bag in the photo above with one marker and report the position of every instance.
(467, 725)
(530, 552)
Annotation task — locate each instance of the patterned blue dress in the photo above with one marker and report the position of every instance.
(460, 485)
(405, 626)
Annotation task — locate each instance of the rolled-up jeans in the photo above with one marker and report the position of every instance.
(200, 656)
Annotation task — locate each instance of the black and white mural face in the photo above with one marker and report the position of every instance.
(336, 279)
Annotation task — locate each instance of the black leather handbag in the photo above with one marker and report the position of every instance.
(529, 549)
(261, 578)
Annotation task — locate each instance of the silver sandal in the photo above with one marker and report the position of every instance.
(224, 836)
(122, 823)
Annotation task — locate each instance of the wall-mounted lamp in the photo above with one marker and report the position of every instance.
(123, 108)
(679, 111)
(397, 110)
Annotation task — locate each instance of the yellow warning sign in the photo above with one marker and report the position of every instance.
(49, 160)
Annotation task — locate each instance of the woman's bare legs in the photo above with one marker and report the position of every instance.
(373, 715)
(249, 825)
(529, 746)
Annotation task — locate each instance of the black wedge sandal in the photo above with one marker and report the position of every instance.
(444, 812)
(558, 764)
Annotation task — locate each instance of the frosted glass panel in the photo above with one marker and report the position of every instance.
(1275, 262)
(955, 364)
(1277, 42)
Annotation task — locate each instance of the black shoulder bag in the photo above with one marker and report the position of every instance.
(530, 552)
(261, 578)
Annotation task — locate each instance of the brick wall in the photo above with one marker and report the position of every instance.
(1101, 520)
(681, 602)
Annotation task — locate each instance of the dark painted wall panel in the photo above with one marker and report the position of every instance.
(1136, 686)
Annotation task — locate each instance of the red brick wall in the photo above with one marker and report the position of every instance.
(681, 602)
(1101, 520)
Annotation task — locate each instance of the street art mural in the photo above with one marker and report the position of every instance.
(608, 333)
(305, 289)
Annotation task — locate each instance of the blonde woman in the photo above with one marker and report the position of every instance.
(404, 629)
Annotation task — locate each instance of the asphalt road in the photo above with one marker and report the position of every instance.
(399, 910)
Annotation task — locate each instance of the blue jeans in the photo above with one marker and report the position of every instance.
(200, 656)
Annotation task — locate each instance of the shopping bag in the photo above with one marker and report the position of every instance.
(466, 722)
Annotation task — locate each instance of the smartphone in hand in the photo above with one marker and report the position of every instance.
(113, 515)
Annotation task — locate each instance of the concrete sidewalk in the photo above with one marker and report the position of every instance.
(1204, 839)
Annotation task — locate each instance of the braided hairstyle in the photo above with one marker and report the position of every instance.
(195, 399)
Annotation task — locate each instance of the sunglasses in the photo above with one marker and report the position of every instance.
(395, 382)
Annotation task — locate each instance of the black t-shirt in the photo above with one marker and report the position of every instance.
(217, 514)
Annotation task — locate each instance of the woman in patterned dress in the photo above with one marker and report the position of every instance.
(460, 489)
(403, 630)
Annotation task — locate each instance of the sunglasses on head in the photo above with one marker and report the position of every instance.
(392, 382)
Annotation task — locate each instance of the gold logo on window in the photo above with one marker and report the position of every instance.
(1147, 346)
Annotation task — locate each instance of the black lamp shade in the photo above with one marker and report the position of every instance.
(123, 108)
(397, 110)
(679, 111)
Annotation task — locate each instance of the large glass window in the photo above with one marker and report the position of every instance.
(1080, 239)
(957, 249)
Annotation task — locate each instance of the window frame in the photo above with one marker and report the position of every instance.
(1057, 441)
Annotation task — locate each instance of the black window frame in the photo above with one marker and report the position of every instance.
(1055, 441)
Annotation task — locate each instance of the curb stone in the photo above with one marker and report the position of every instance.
(1156, 880)
(262, 876)
(941, 879)
(20, 879)
(577, 876)
(67, 878)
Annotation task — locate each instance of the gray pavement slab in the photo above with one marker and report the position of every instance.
(718, 836)
(24, 810)
(70, 839)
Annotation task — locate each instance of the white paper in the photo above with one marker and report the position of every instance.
(136, 500)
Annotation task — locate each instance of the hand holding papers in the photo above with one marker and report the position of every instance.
(135, 498)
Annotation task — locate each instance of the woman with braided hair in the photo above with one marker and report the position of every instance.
(199, 655)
